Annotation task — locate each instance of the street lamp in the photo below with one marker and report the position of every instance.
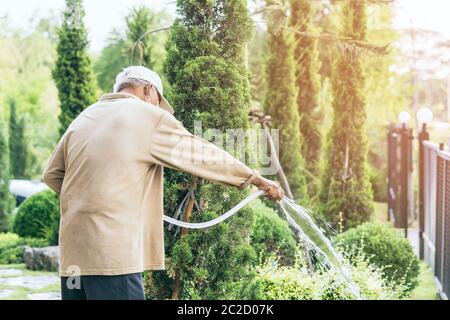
(404, 118)
(424, 116)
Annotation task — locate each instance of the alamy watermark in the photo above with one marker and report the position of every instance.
(251, 146)
(73, 281)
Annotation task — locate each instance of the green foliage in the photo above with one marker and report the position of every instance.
(257, 49)
(280, 104)
(222, 255)
(124, 49)
(346, 187)
(384, 87)
(296, 283)
(18, 143)
(208, 28)
(384, 248)
(378, 180)
(308, 88)
(271, 236)
(25, 76)
(38, 217)
(6, 201)
(10, 250)
(73, 73)
(140, 21)
(208, 84)
(111, 61)
(12, 247)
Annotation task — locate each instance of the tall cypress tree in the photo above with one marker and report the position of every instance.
(5, 196)
(205, 66)
(17, 143)
(346, 189)
(280, 104)
(307, 72)
(73, 73)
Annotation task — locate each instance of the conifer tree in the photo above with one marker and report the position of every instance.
(346, 190)
(205, 67)
(307, 74)
(17, 143)
(5, 197)
(280, 104)
(73, 73)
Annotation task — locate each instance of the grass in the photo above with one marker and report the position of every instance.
(380, 214)
(426, 290)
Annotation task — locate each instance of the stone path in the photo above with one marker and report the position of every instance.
(18, 283)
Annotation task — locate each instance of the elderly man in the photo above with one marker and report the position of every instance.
(108, 169)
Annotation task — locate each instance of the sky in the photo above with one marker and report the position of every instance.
(104, 15)
(425, 14)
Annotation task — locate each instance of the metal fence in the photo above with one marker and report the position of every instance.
(436, 217)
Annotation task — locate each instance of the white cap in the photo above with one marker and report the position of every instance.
(143, 73)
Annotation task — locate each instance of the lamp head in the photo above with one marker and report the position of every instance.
(404, 117)
(424, 116)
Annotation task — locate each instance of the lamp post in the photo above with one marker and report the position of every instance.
(404, 117)
(424, 117)
(405, 133)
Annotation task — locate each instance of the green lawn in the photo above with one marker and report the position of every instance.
(380, 215)
(426, 290)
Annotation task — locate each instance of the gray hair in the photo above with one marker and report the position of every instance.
(130, 82)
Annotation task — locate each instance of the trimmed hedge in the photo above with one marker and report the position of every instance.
(38, 217)
(384, 248)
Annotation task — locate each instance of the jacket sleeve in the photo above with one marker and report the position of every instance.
(54, 172)
(174, 147)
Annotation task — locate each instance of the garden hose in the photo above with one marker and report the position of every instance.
(219, 219)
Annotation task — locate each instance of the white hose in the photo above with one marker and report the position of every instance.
(217, 220)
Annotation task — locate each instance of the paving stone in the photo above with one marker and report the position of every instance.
(45, 296)
(6, 293)
(10, 272)
(30, 282)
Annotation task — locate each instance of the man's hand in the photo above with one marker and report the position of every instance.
(273, 189)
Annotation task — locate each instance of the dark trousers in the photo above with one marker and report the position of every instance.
(121, 287)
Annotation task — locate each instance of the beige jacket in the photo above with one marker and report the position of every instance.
(108, 169)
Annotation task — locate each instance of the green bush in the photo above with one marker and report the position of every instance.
(384, 248)
(271, 236)
(296, 283)
(38, 217)
(12, 247)
(378, 182)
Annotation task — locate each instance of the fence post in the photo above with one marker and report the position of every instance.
(391, 163)
(405, 133)
(423, 136)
